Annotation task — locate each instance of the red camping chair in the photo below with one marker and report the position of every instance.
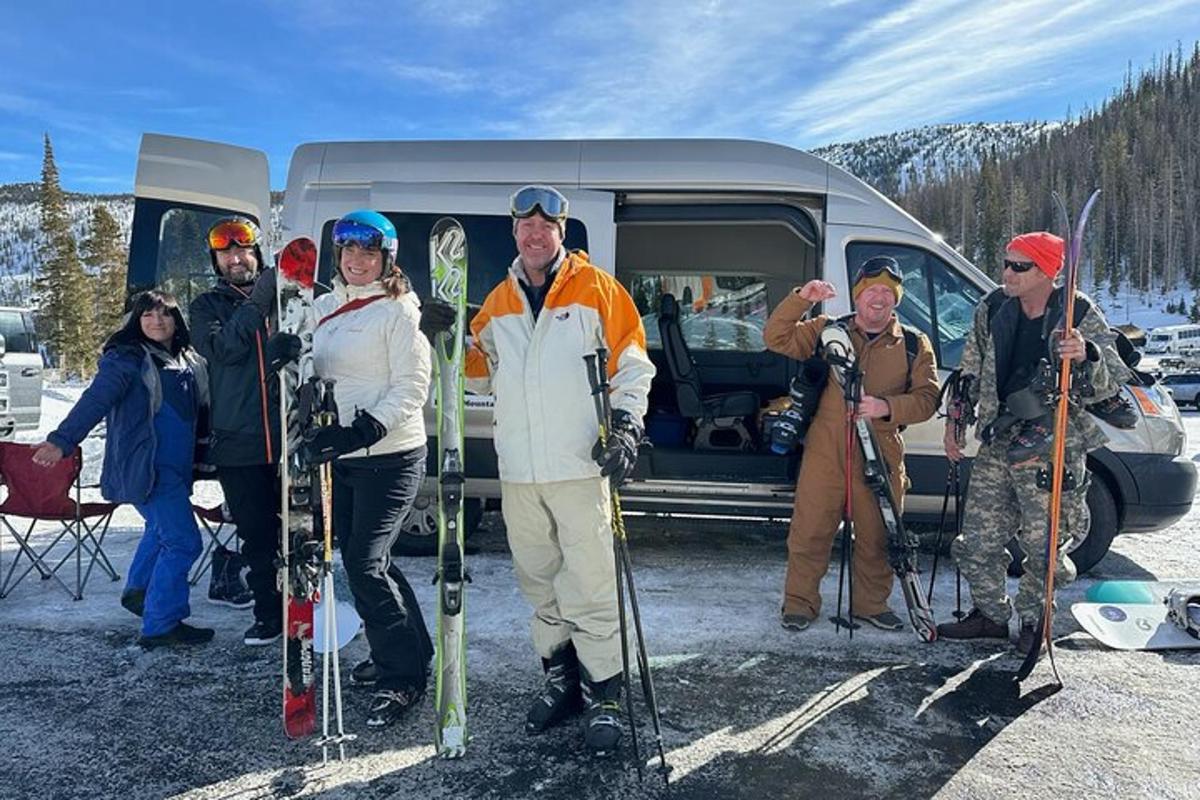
(215, 522)
(43, 494)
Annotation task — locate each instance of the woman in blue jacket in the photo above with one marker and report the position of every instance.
(152, 389)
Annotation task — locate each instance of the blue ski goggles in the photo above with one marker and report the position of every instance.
(348, 232)
(546, 200)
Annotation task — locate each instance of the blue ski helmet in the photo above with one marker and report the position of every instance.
(367, 228)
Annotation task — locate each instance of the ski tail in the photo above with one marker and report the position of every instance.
(1045, 627)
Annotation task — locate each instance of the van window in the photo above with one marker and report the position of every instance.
(184, 265)
(17, 337)
(490, 250)
(716, 312)
(937, 301)
(722, 263)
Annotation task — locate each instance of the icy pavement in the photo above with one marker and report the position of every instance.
(749, 710)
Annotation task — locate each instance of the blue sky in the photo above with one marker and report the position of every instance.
(271, 74)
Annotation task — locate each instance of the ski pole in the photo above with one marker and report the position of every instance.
(597, 369)
(330, 660)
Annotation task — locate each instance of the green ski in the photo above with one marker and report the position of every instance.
(448, 273)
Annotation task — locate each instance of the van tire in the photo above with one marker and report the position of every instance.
(418, 532)
(1105, 518)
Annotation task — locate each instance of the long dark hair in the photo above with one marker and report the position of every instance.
(131, 332)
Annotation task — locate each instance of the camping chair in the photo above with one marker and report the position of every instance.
(218, 526)
(43, 494)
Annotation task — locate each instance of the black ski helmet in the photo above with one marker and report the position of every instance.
(221, 228)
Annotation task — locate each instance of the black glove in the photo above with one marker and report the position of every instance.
(282, 348)
(263, 293)
(328, 443)
(618, 456)
(437, 316)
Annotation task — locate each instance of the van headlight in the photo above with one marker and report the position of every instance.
(1155, 400)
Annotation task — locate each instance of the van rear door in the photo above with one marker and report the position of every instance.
(182, 187)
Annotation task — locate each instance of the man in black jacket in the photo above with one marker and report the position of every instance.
(232, 327)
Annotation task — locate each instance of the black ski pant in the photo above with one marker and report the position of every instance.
(252, 493)
(371, 497)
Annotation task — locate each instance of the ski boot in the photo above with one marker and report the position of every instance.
(1032, 441)
(1116, 411)
(365, 673)
(560, 697)
(389, 706)
(602, 717)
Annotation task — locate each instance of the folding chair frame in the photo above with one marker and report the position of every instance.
(88, 537)
(214, 539)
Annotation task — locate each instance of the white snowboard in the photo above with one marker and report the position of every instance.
(1128, 626)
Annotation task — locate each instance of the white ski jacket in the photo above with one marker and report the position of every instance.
(380, 360)
(545, 420)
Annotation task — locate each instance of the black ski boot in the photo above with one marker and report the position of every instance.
(973, 626)
(1032, 441)
(1116, 411)
(602, 717)
(365, 673)
(389, 706)
(560, 697)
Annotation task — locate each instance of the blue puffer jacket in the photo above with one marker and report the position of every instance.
(127, 393)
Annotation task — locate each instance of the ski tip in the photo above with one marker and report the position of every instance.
(298, 261)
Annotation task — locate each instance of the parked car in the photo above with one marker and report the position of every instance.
(1184, 387)
(23, 360)
(731, 226)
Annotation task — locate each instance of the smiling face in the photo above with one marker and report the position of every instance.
(538, 242)
(361, 265)
(238, 264)
(874, 307)
(158, 325)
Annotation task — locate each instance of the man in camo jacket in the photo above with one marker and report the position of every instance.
(1010, 369)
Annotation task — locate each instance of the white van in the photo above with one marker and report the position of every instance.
(1181, 339)
(728, 226)
(23, 360)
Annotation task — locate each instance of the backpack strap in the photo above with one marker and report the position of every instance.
(912, 346)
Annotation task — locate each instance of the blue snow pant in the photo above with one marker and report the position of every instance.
(171, 541)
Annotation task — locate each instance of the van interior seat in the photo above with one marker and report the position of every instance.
(718, 417)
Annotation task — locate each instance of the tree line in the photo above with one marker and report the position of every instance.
(1141, 147)
(77, 307)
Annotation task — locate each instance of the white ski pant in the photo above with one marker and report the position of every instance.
(560, 534)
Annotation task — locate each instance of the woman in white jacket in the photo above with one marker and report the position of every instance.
(368, 340)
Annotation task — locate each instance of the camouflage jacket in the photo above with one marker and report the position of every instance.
(1100, 376)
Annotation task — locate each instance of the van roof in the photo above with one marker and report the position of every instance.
(709, 165)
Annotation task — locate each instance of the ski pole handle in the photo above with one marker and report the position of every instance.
(602, 375)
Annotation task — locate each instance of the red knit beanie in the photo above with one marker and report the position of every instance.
(1045, 249)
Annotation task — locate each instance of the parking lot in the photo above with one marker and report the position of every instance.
(749, 710)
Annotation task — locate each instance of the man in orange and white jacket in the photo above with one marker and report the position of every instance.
(530, 338)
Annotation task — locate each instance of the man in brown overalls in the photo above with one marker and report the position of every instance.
(895, 393)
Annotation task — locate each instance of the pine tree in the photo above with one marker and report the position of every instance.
(65, 305)
(105, 252)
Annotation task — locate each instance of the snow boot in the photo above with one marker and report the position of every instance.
(134, 601)
(973, 626)
(602, 715)
(1033, 440)
(389, 706)
(560, 697)
(262, 633)
(227, 587)
(181, 635)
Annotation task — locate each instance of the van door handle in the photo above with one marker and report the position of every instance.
(29, 372)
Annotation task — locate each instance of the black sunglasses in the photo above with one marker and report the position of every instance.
(1018, 266)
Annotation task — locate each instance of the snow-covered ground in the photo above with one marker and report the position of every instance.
(749, 710)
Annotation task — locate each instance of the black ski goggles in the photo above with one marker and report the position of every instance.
(878, 266)
(545, 200)
(232, 232)
(1019, 266)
